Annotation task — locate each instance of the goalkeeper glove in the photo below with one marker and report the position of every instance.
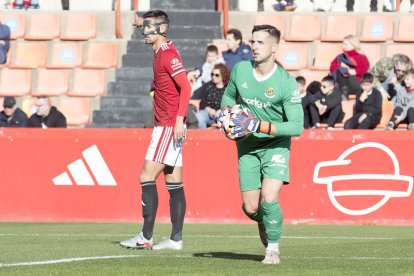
(244, 125)
(225, 111)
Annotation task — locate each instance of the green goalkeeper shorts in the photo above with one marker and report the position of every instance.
(270, 163)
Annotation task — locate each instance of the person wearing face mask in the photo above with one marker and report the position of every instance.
(46, 116)
(12, 116)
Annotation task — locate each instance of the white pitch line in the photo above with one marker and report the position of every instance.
(79, 259)
(206, 236)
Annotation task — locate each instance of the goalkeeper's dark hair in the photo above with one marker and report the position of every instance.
(271, 30)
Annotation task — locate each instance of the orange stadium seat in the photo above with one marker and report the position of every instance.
(311, 76)
(348, 109)
(339, 26)
(66, 55)
(387, 110)
(376, 28)
(372, 51)
(51, 82)
(276, 20)
(400, 48)
(29, 55)
(404, 32)
(79, 27)
(101, 55)
(324, 54)
(28, 106)
(304, 28)
(16, 23)
(43, 26)
(15, 82)
(88, 83)
(293, 56)
(76, 111)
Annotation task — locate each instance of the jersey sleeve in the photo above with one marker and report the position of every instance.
(230, 94)
(172, 63)
(292, 105)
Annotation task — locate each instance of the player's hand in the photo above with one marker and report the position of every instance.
(225, 111)
(179, 130)
(244, 124)
(138, 21)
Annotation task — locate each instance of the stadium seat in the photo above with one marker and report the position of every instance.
(15, 82)
(311, 76)
(400, 48)
(16, 23)
(304, 28)
(29, 55)
(101, 55)
(79, 27)
(338, 27)
(293, 56)
(276, 20)
(66, 55)
(51, 82)
(404, 32)
(387, 110)
(324, 54)
(372, 51)
(348, 109)
(43, 26)
(76, 111)
(88, 83)
(28, 106)
(376, 28)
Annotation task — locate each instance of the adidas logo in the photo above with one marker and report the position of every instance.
(95, 171)
(244, 85)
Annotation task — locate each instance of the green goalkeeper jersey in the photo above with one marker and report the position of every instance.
(274, 98)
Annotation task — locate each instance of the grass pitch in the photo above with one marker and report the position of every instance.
(92, 249)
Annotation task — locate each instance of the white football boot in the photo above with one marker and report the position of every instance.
(271, 257)
(137, 242)
(169, 244)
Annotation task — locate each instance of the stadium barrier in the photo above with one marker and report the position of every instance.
(345, 177)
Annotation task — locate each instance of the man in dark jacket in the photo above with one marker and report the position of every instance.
(46, 115)
(4, 42)
(12, 116)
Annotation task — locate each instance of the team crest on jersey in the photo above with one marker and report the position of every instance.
(270, 92)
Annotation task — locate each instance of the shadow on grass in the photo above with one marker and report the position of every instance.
(229, 255)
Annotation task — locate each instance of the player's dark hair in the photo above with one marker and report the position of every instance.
(301, 80)
(329, 79)
(273, 31)
(159, 15)
(224, 71)
(367, 77)
(237, 34)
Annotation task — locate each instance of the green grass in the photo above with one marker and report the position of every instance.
(208, 250)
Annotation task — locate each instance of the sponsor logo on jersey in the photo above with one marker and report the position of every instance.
(296, 97)
(257, 103)
(270, 92)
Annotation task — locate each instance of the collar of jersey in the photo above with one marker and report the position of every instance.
(260, 79)
(164, 44)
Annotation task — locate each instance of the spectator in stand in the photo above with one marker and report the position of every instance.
(12, 116)
(210, 95)
(4, 42)
(404, 104)
(389, 73)
(368, 106)
(26, 4)
(46, 116)
(285, 5)
(65, 5)
(326, 105)
(348, 67)
(412, 6)
(237, 51)
(322, 5)
(389, 5)
(201, 76)
(301, 81)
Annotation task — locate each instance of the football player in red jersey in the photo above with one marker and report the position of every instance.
(171, 97)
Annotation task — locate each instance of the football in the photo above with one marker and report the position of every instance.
(227, 122)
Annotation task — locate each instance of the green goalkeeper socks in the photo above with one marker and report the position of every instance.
(272, 219)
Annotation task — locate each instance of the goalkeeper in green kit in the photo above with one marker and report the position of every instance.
(272, 96)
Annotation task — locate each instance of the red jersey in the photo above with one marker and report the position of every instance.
(167, 64)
